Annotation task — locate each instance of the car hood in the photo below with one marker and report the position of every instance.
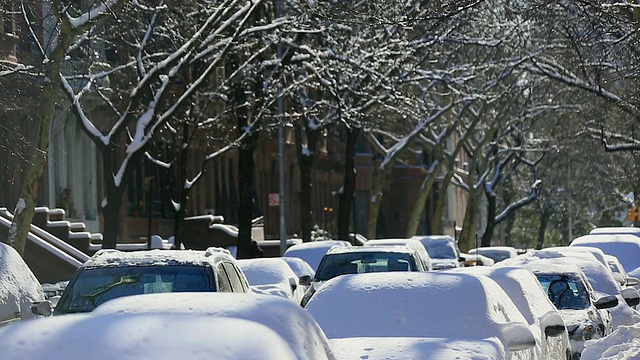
(404, 348)
(574, 318)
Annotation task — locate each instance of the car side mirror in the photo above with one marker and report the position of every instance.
(553, 324)
(632, 281)
(305, 280)
(606, 302)
(518, 336)
(42, 308)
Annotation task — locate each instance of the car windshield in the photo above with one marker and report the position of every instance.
(565, 291)
(440, 249)
(92, 287)
(333, 265)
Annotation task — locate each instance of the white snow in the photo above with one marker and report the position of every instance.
(142, 336)
(312, 252)
(623, 343)
(273, 276)
(417, 304)
(286, 318)
(18, 285)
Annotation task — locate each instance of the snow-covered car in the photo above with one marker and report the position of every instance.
(143, 336)
(445, 315)
(601, 279)
(111, 274)
(19, 287)
(287, 319)
(527, 294)
(497, 253)
(476, 259)
(272, 276)
(303, 270)
(443, 249)
(312, 252)
(363, 259)
(584, 314)
(625, 247)
(619, 273)
(412, 244)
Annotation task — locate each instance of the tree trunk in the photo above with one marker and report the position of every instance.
(467, 236)
(305, 161)
(183, 192)
(111, 214)
(347, 194)
(491, 221)
(545, 214)
(246, 179)
(418, 207)
(23, 214)
(376, 199)
(438, 212)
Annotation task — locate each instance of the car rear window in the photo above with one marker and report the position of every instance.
(364, 262)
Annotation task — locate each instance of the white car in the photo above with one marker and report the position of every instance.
(143, 336)
(625, 247)
(443, 249)
(364, 259)
(19, 287)
(444, 315)
(619, 273)
(497, 253)
(272, 276)
(602, 281)
(412, 244)
(303, 270)
(287, 319)
(531, 299)
(312, 252)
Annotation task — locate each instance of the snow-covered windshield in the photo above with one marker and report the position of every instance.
(94, 286)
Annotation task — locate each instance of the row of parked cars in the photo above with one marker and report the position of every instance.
(390, 298)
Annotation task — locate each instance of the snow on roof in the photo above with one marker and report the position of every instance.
(378, 249)
(285, 317)
(18, 285)
(616, 230)
(115, 258)
(412, 304)
(520, 284)
(142, 336)
(597, 253)
(266, 271)
(312, 252)
(625, 247)
(599, 275)
(541, 265)
(412, 348)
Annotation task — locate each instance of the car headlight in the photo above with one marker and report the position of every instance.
(582, 332)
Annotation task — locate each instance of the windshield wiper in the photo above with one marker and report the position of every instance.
(123, 280)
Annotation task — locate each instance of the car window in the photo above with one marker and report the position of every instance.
(92, 287)
(237, 284)
(440, 249)
(565, 291)
(333, 265)
(223, 279)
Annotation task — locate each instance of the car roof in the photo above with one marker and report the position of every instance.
(285, 317)
(459, 305)
(142, 336)
(156, 257)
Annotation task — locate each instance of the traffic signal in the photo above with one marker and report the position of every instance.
(633, 214)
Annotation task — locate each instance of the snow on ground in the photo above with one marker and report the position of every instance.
(623, 343)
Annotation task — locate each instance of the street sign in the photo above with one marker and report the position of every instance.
(274, 199)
